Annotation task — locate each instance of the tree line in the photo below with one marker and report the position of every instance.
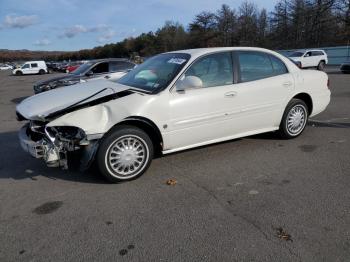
(291, 24)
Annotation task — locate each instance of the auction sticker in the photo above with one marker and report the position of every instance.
(178, 61)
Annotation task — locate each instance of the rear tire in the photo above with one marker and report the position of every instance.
(294, 119)
(124, 154)
(321, 66)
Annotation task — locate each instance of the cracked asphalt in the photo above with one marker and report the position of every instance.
(253, 199)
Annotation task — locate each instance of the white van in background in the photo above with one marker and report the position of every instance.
(31, 67)
(310, 58)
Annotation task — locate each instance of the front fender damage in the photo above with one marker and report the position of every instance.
(71, 136)
(72, 140)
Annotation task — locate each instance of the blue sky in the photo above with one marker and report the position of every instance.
(78, 24)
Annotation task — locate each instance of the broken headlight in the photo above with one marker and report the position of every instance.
(66, 133)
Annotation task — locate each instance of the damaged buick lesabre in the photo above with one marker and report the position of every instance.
(174, 101)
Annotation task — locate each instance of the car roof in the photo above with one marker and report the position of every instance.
(39, 61)
(309, 50)
(108, 60)
(202, 51)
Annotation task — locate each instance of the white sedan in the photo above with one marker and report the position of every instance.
(173, 101)
(5, 67)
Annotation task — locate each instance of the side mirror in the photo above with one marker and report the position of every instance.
(189, 82)
(90, 73)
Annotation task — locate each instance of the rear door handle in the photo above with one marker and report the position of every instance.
(230, 94)
(107, 77)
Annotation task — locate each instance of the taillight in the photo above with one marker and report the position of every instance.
(328, 83)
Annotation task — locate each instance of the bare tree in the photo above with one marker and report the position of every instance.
(226, 23)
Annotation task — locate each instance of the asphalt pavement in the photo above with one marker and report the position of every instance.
(258, 198)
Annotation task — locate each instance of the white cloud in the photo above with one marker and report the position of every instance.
(43, 42)
(13, 21)
(107, 36)
(73, 31)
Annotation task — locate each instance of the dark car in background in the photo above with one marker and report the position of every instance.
(345, 67)
(111, 68)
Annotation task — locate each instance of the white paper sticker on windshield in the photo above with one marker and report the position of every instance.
(178, 61)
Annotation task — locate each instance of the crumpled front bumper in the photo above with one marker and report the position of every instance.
(41, 149)
(36, 149)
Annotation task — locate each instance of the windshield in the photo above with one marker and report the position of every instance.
(296, 54)
(82, 69)
(156, 73)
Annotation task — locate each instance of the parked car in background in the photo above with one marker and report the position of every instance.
(172, 102)
(61, 67)
(310, 58)
(5, 67)
(345, 67)
(112, 68)
(51, 66)
(72, 66)
(31, 67)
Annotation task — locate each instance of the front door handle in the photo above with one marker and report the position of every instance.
(230, 94)
(107, 77)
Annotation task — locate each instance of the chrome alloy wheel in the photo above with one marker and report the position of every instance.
(296, 120)
(127, 156)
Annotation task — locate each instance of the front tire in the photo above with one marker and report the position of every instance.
(41, 71)
(19, 73)
(294, 119)
(124, 154)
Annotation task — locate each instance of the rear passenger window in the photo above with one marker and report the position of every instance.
(213, 70)
(317, 53)
(279, 68)
(254, 66)
(34, 65)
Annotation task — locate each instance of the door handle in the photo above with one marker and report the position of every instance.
(230, 94)
(287, 84)
(107, 77)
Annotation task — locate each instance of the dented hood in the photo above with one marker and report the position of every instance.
(39, 106)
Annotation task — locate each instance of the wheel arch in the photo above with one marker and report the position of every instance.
(147, 126)
(307, 99)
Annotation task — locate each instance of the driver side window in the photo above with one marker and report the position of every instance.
(213, 70)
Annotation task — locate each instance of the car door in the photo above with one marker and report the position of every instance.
(307, 59)
(25, 69)
(200, 115)
(316, 57)
(34, 69)
(263, 86)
